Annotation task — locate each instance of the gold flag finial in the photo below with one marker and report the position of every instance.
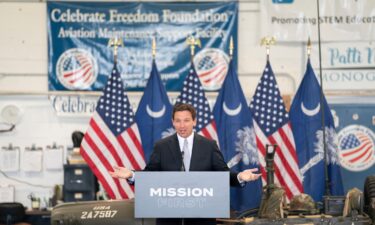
(115, 43)
(193, 42)
(308, 47)
(153, 47)
(268, 41)
(231, 47)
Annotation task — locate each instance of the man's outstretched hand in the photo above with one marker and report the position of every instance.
(249, 175)
(121, 172)
(125, 173)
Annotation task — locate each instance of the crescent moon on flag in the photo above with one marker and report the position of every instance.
(232, 112)
(310, 112)
(155, 114)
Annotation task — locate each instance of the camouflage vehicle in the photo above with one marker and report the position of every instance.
(303, 210)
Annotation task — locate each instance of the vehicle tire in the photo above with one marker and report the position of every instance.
(248, 213)
(369, 195)
(369, 189)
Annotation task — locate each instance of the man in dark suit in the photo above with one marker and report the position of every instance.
(187, 151)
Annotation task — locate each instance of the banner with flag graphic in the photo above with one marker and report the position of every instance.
(237, 139)
(113, 139)
(78, 33)
(154, 113)
(272, 126)
(306, 119)
(193, 94)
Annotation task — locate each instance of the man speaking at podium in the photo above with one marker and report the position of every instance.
(187, 151)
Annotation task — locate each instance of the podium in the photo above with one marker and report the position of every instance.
(182, 195)
(157, 195)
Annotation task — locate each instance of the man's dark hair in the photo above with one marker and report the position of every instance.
(77, 137)
(184, 107)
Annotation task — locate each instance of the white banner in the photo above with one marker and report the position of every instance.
(340, 20)
(347, 66)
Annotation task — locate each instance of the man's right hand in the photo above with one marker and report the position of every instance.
(121, 172)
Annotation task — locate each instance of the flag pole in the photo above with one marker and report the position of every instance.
(115, 43)
(327, 182)
(193, 42)
(268, 41)
(153, 48)
(231, 48)
(308, 48)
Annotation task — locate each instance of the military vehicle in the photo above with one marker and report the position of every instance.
(339, 210)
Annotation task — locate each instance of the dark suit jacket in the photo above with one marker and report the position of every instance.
(205, 156)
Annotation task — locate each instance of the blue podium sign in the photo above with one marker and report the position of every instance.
(182, 195)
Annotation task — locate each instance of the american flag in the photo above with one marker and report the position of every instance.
(356, 148)
(113, 139)
(192, 93)
(272, 126)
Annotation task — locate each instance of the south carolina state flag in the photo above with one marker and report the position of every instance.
(306, 118)
(237, 139)
(154, 113)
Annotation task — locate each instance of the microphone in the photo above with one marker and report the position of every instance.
(182, 161)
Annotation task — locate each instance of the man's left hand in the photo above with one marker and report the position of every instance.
(249, 175)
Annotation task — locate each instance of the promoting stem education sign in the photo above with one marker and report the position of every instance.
(78, 33)
(297, 20)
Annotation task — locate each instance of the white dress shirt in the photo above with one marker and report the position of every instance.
(190, 141)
